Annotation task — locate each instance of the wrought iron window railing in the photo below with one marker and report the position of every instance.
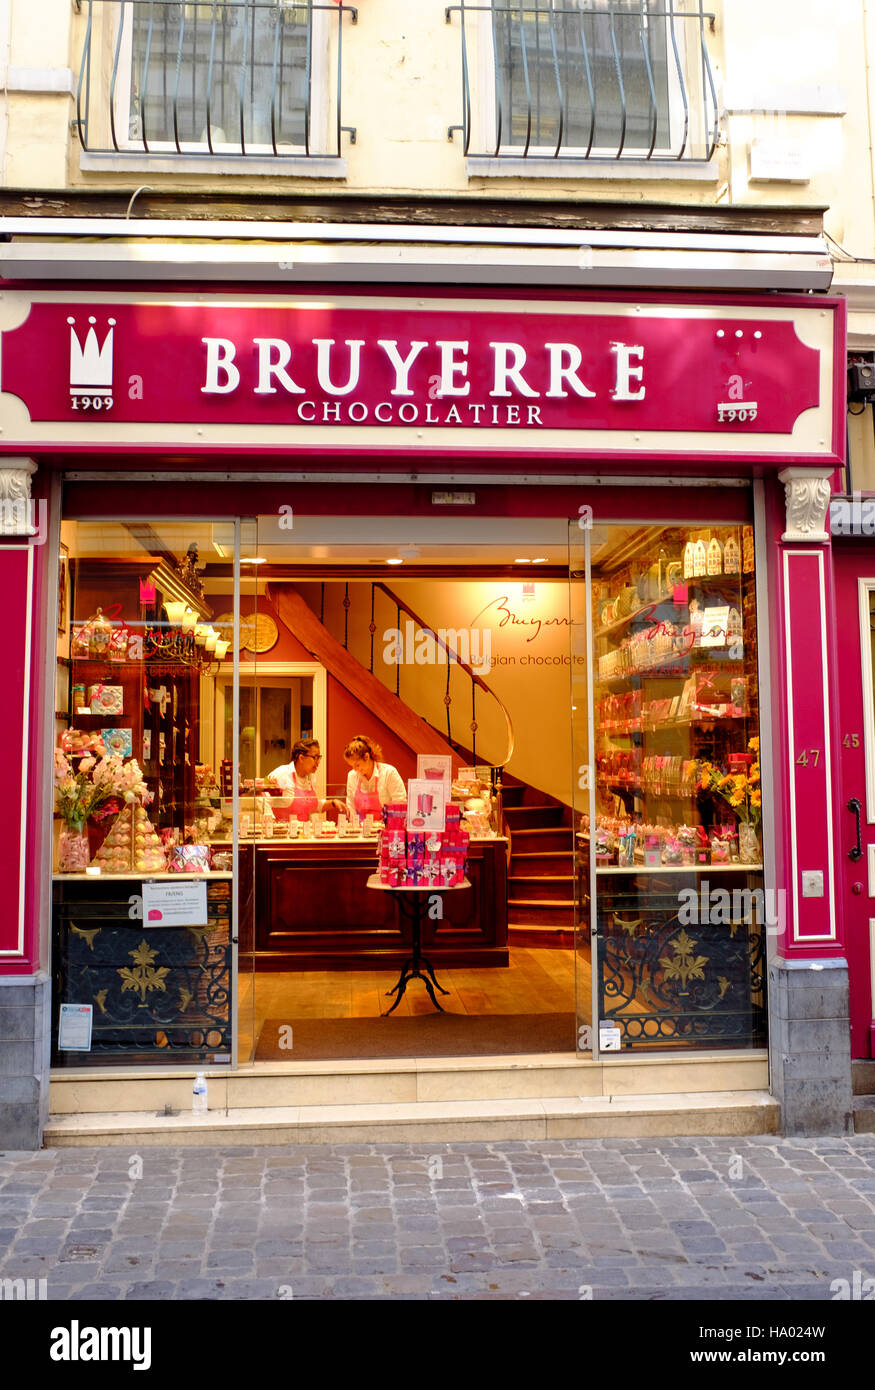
(596, 80)
(218, 77)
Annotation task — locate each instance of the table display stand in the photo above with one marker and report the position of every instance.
(409, 898)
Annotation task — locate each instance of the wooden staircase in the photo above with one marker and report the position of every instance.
(540, 886)
(541, 879)
(300, 619)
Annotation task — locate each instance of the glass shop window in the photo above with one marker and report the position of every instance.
(681, 913)
(143, 907)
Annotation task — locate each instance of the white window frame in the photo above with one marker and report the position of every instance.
(274, 674)
(631, 153)
(323, 61)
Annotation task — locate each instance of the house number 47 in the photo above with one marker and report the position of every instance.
(812, 753)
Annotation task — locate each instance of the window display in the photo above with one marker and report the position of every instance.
(133, 803)
(677, 791)
(677, 764)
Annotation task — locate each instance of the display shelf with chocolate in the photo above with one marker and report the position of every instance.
(644, 613)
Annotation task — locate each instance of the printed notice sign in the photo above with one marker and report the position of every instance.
(74, 1028)
(609, 1036)
(175, 904)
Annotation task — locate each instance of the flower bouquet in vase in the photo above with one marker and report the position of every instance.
(740, 789)
(89, 785)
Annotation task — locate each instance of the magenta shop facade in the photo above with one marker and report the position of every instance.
(554, 402)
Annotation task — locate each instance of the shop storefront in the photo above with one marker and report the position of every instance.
(562, 558)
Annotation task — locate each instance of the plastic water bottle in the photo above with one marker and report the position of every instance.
(199, 1095)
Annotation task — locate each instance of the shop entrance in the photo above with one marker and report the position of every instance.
(443, 642)
(577, 707)
(855, 737)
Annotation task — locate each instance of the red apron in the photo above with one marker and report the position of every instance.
(366, 803)
(304, 802)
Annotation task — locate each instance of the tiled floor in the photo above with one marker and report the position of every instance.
(536, 981)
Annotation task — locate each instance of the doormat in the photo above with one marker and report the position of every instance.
(419, 1035)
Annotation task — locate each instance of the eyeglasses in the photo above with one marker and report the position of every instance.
(317, 757)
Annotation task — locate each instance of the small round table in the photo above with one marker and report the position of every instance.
(409, 897)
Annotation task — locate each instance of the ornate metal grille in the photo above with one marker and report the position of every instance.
(587, 79)
(665, 983)
(155, 991)
(236, 77)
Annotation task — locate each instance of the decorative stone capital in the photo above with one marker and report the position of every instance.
(807, 499)
(15, 505)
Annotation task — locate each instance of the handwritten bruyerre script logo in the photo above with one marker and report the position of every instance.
(91, 368)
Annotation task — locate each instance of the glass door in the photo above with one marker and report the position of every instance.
(443, 642)
(583, 782)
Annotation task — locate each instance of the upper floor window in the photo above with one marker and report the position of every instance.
(229, 74)
(238, 77)
(587, 79)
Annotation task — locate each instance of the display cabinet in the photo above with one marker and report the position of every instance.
(144, 962)
(134, 681)
(679, 907)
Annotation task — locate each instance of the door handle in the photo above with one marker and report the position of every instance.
(856, 806)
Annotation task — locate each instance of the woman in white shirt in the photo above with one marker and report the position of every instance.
(371, 782)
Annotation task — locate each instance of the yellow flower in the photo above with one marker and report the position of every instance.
(754, 744)
(755, 799)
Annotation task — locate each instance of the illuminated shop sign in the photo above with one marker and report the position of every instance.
(581, 376)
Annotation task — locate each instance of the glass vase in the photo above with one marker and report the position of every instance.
(749, 848)
(73, 849)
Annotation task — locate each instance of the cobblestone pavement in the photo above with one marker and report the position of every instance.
(758, 1218)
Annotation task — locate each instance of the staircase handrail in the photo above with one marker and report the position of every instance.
(401, 604)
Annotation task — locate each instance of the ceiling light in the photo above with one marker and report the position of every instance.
(395, 560)
(253, 560)
(522, 562)
(541, 560)
(174, 608)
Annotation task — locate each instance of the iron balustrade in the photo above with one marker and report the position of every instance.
(586, 80)
(452, 668)
(163, 78)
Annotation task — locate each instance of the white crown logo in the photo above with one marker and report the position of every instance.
(90, 366)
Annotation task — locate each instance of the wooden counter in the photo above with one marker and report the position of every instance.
(304, 905)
